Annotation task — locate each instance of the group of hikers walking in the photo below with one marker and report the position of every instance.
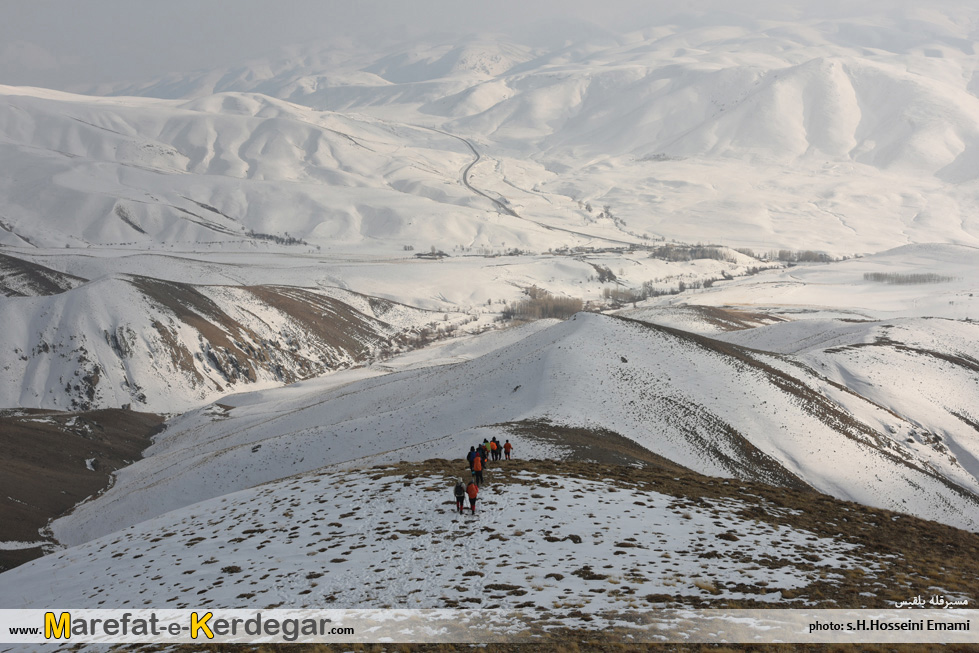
(477, 457)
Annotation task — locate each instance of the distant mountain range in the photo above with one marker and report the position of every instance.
(773, 228)
(849, 135)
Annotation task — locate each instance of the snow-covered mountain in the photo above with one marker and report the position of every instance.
(704, 404)
(165, 347)
(20, 278)
(235, 168)
(832, 116)
(843, 135)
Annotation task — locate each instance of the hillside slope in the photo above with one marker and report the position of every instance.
(570, 542)
(53, 460)
(165, 347)
(20, 278)
(927, 371)
(234, 171)
(848, 135)
(700, 403)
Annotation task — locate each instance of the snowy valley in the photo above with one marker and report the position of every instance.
(715, 278)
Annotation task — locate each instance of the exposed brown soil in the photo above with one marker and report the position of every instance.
(923, 555)
(338, 324)
(45, 472)
(604, 446)
(336, 332)
(19, 278)
(592, 445)
(733, 319)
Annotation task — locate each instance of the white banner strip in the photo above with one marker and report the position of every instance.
(953, 626)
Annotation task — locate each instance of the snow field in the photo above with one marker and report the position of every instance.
(841, 290)
(390, 537)
(830, 134)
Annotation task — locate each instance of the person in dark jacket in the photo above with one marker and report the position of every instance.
(460, 493)
(472, 456)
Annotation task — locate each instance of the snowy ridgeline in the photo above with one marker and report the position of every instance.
(391, 537)
(701, 403)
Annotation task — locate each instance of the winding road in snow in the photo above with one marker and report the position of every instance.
(502, 205)
(465, 179)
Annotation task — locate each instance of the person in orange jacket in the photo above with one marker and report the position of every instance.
(472, 490)
(507, 448)
(478, 470)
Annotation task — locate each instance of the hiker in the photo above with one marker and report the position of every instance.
(471, 456)
(507, 448)
(478, 470)
(494, 449)
(484, 451)
(460, 492)
(472, 490)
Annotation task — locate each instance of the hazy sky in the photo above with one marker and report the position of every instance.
(63, 42)
(74, 43)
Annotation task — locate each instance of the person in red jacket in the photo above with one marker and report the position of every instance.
(472, 491)
(507, 448)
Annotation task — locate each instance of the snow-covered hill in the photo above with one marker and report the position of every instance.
(165, 347)
(571, 541)
(701, 403)
(927, 371)
(20, 278)
(171, 244)
(229, 168)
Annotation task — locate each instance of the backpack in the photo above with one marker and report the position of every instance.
(460, 491)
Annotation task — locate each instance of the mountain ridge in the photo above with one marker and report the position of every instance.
(693, 405)
(667, 538)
